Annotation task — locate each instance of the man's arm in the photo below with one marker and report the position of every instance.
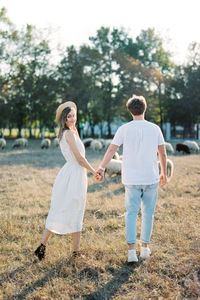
(107, 158)
(163, 164)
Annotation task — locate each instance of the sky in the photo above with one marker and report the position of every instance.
(73, 22)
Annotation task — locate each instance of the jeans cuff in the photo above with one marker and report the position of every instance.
(143, 241)
(131, 242)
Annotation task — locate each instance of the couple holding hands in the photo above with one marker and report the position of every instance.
(142, 141)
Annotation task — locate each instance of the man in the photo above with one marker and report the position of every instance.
(142, 141)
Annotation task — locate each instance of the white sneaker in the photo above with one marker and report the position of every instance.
(144, 252)
(132, 257)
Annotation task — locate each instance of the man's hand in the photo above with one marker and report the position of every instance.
(98, 177)
(163, 179)
(101, 174)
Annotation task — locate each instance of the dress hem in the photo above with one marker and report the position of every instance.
(61, 233)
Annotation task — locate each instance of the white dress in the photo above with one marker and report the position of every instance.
(69, 192)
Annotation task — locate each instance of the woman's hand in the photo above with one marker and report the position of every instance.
(100, 172)
(97, 177)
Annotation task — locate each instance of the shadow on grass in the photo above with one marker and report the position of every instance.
(103, 215)
(5, 277)
(55, 272)
(97, 186)
(120, 277)
(113, 286)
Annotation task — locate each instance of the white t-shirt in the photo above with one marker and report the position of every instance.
(140, 140)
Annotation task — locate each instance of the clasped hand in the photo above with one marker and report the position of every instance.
(99, 175)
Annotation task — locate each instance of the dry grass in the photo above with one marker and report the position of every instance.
(172, 271)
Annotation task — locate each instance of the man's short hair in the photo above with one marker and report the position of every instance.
(136, 105)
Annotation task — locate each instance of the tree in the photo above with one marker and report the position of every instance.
(7, 38)
(29, 62)
(184, 93)
(106, 43)
(144, 70)
(71, 80)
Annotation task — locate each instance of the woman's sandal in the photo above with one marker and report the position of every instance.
(40, 251)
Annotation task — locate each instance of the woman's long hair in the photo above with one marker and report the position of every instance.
(62, 122)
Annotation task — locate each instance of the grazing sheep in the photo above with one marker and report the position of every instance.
(169, 148)
(45, 143)
(96, 145)
(116, 156)
(182, 147)
(2, 143)
(170, 168)
(193, 146)
(107, 143)
(114, 167)
(102, 142)
(56, 142)
(87, 142)
(21, 142)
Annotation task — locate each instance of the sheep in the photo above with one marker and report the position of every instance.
(170, 168)
(45, 143)
(182, 147)
(21, 142)
(2, 143)
(169, 148)
(116, 156)
(192, 145)
(114, 167)
(102, 142)
(107, 143)
(56, 142)
(87, 142)
(96, 145)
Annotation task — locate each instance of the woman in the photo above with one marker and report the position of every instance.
(70, 187)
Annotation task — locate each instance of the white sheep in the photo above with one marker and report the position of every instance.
(169, 148)
(170, 168)
(45, 143)
(21, 142)
(102, 142)
(2, 143)
(116, 156)
(96, 145)
(107, 143)
(87, 142)
(56, 142)
(192, 145)
(114, 167)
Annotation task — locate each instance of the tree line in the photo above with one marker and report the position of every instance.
(99, 76)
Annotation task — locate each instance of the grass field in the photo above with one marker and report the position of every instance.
(172, 271)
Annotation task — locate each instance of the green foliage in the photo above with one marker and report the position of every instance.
(99, 77)
(183, 91)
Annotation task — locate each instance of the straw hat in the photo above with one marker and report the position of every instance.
(62, 106)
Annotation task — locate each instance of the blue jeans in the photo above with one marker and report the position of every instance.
(134, 195)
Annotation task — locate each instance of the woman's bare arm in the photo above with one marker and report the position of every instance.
(79, 157)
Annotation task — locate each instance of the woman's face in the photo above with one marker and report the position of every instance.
(71, 118)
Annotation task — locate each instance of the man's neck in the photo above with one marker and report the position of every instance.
(140, 117)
